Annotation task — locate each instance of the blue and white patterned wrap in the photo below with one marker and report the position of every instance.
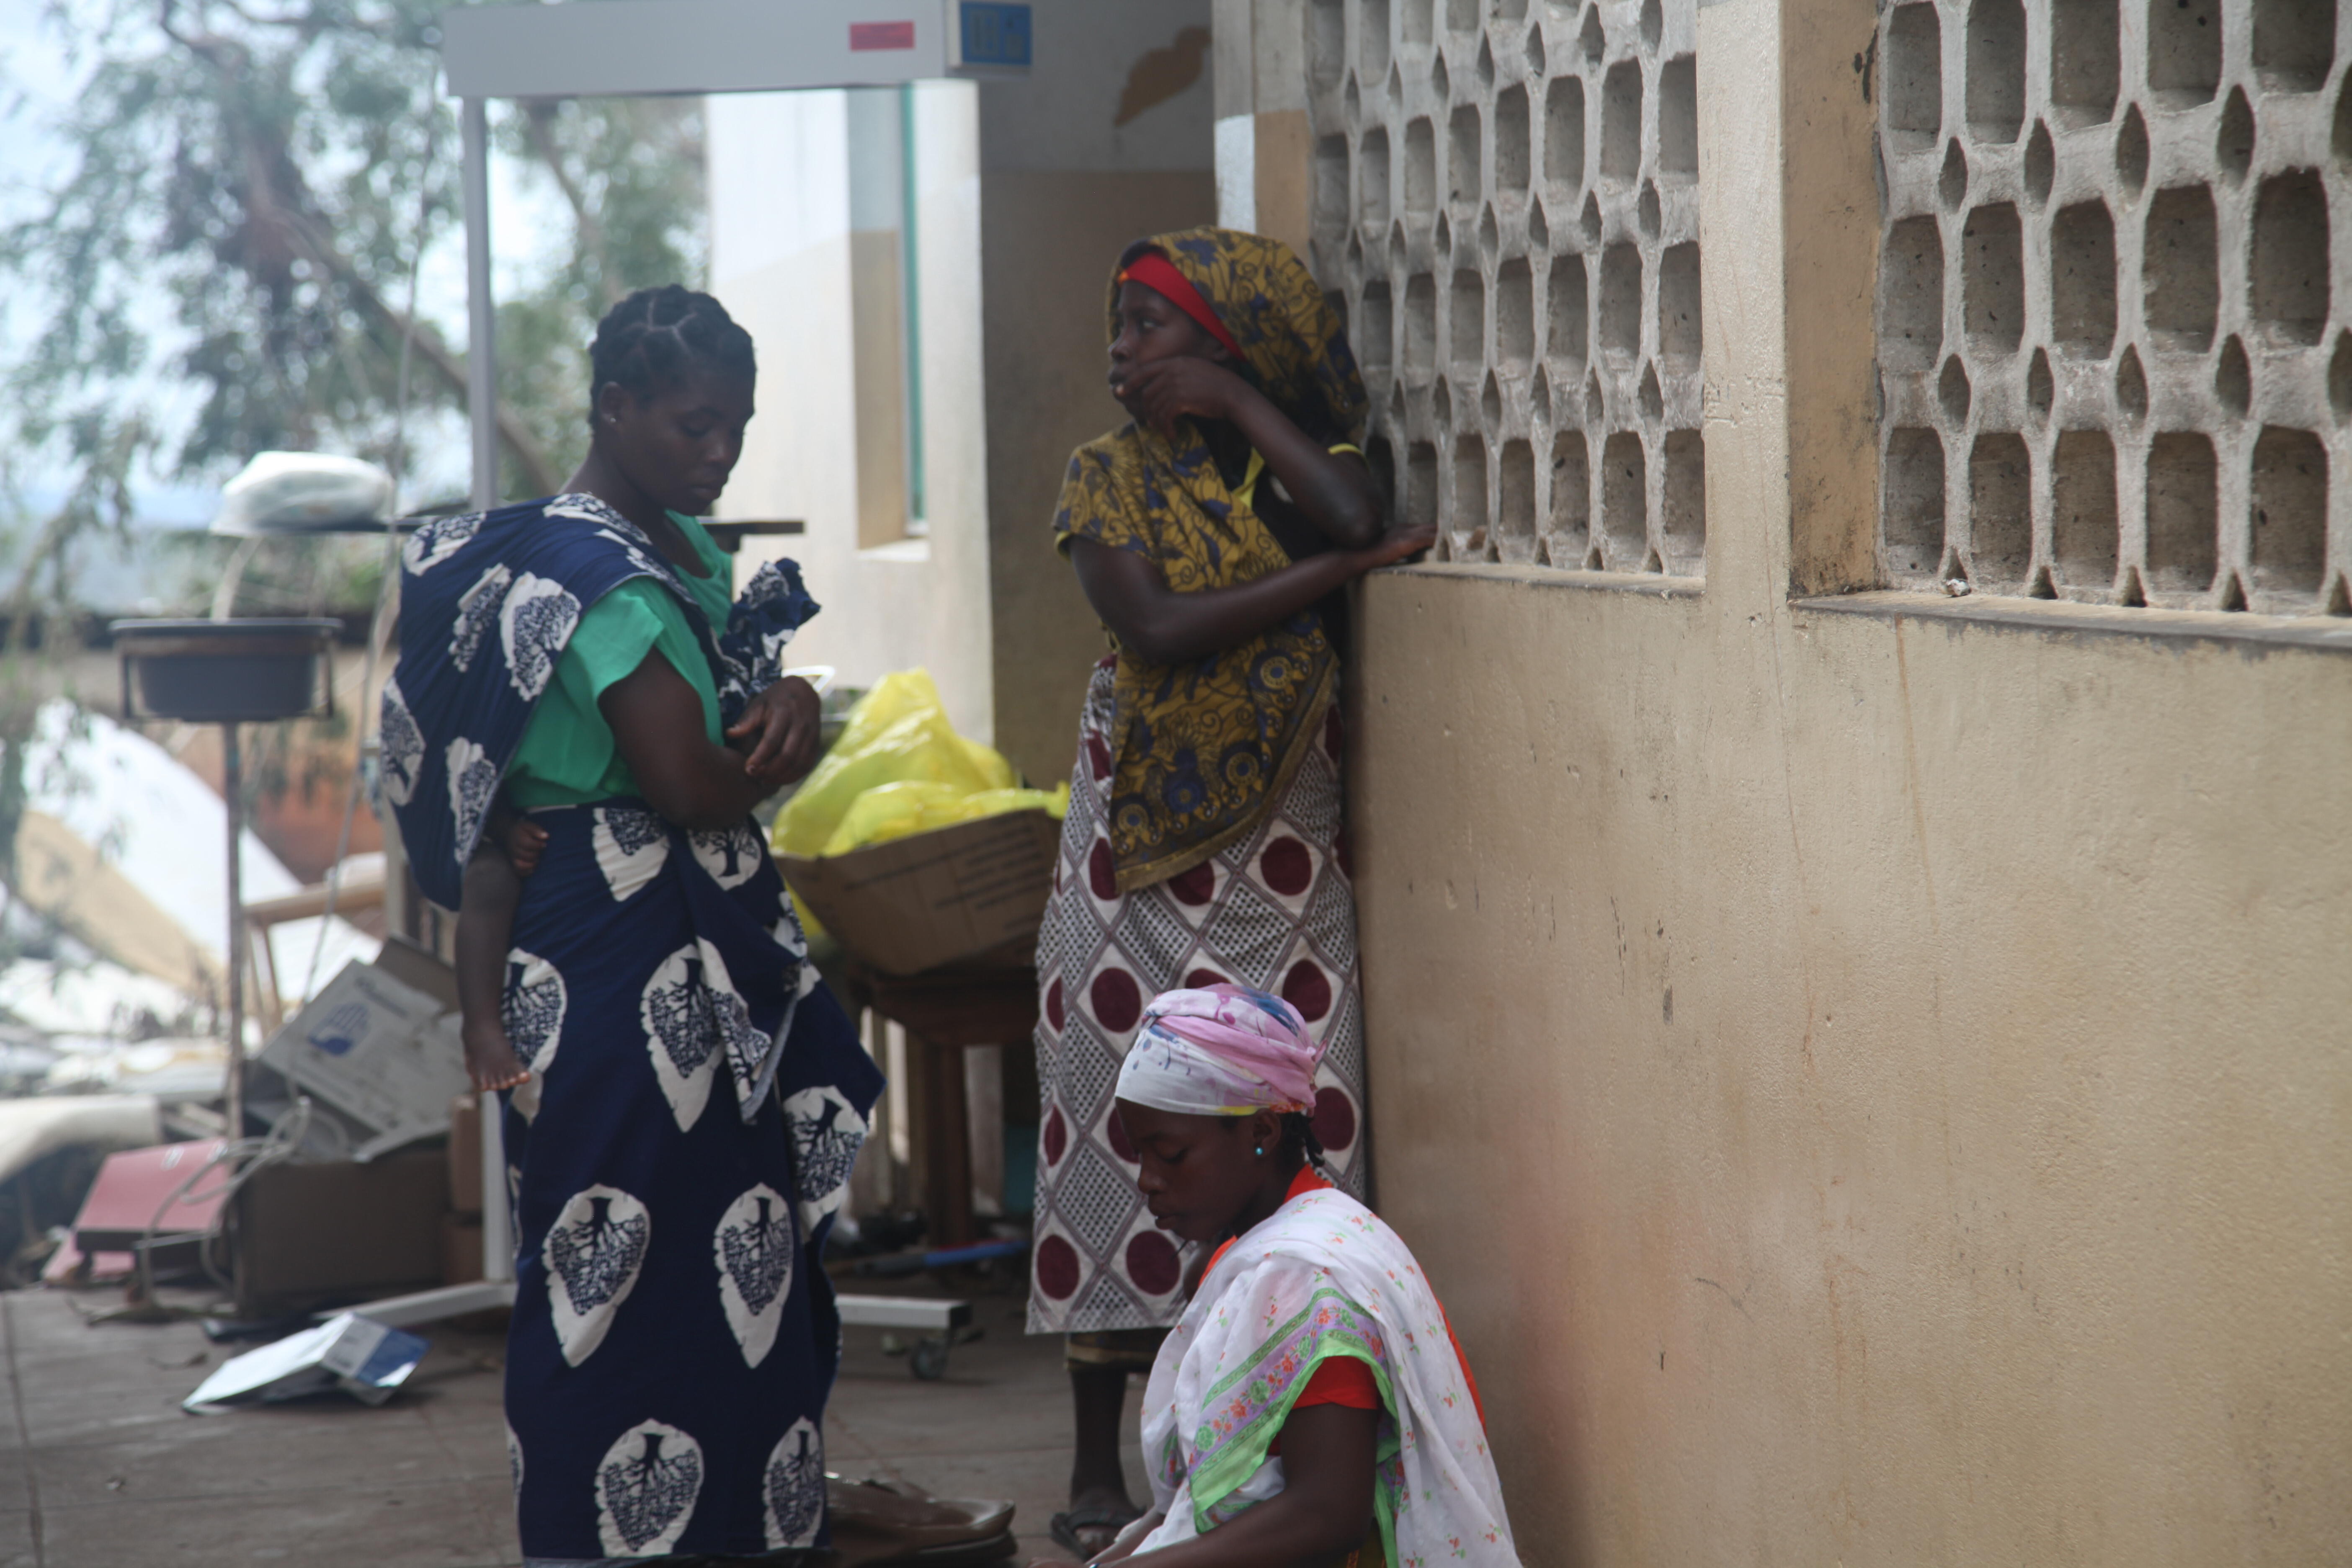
(510, 586)
(696, 1097)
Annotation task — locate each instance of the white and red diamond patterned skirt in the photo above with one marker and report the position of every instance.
(1277, 911)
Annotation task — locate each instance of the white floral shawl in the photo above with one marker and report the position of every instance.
(1321, 1277)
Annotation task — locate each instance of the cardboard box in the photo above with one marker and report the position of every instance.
(466, 1155)
(461, 1248)
(379, 1049)
(916, 903)
(312, 1235)
(420, 968)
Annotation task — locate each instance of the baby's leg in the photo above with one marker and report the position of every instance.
(485, 933)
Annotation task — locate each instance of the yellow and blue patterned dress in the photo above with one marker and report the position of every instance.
(1204, 841)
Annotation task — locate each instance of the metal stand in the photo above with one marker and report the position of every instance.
(232, 789)
(481, 313)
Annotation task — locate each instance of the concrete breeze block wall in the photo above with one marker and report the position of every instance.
(1505, 195)
(1866, 1064)
(2112, 302)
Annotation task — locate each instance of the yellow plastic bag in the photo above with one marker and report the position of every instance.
(899, 769)
(902, 810)
(898, 733)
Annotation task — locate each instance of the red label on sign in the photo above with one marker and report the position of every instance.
(866, 35)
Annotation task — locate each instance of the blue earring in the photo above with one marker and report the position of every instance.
(1261, 1151)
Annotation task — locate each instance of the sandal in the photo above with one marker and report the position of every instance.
(1065, 1527)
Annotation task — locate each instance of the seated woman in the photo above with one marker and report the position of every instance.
(1311, 1404)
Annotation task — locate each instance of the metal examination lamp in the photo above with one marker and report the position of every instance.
(255, 670)
(231, 670)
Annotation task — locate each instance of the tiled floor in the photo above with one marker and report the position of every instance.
(99, 1468)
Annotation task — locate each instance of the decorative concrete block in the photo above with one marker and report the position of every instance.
(1508, 208)
(2112, 302)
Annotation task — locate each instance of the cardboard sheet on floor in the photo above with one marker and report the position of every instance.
(358, 1356)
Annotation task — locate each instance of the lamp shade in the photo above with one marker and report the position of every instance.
(249, 671)
(304, 492)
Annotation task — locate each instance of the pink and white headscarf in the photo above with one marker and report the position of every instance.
(1223, 1051)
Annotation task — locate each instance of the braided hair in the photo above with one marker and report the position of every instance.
(647, 342)
(1298, 1137)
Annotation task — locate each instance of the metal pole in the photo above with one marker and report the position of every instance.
(498, 1218)
(481, 316)
(482, 405)
(233, 788)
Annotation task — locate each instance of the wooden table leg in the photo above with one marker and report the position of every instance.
(949, 1136)
(942, 1012)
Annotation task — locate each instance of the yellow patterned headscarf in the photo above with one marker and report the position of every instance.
(1200, 748)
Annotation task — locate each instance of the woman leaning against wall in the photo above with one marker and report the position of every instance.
(1204, 844)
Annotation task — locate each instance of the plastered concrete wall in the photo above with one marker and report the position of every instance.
(780, 257)
(1866, 1090)
(1870, 1084)
(1107, 142)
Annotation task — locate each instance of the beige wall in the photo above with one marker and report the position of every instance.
(781, 259)
(1869, 1091)
(1868, 1077)
(1066, 185)
(1051, 237)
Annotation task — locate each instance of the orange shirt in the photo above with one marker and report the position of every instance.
(1345, 1380)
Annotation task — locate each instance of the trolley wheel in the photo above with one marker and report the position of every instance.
(929, 1360)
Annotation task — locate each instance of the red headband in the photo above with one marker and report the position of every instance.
(1158, 274)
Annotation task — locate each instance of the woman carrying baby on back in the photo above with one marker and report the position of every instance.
(581, 697)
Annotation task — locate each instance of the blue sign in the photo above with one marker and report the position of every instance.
(994, 34)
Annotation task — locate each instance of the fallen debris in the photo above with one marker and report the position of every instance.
(167, 1201)
(378, 1044)
(357, 1355)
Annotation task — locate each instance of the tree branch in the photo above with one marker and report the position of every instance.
(61, 527)
(521, 444)
(308, 231)
(538, 117)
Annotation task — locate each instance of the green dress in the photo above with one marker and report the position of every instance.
(568, 756)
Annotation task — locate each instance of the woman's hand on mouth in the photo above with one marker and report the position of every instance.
(1159, 392)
